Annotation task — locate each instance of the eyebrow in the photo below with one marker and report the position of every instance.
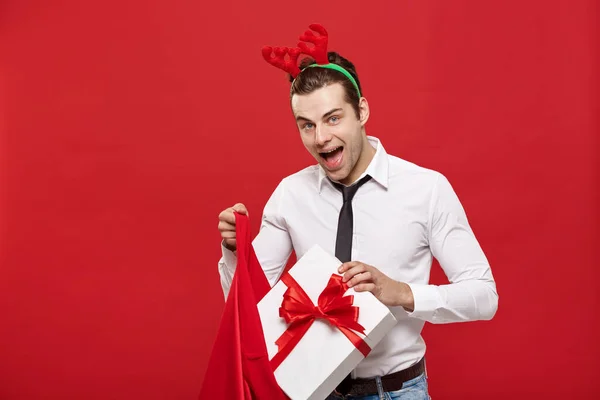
(327, 114)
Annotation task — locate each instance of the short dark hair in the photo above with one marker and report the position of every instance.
(311, 79)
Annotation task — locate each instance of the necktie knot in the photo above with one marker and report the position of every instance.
(348, 192)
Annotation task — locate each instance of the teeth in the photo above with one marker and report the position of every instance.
(330, 151)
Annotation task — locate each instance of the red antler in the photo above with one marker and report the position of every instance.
(278, 60)
(319, 51)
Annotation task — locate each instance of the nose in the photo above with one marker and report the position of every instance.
(322, 135)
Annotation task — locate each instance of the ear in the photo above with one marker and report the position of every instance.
(363, 107)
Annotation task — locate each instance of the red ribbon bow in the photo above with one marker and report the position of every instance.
(299, 312)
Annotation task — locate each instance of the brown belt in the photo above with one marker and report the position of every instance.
(390, 383)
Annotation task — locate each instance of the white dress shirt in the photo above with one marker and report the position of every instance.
(403, 217)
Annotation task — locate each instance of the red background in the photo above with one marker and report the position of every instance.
(126, 126)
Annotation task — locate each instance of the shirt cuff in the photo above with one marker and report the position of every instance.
(427, 301)
(229, 259)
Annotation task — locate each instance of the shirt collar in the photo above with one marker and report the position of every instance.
(377, 169)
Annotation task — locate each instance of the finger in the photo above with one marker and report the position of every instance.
(240, 208)
(365, 287)
(226, 226)
(227, 216)
(360, 278)
(357, 269)
(347, 265)
(228, 234)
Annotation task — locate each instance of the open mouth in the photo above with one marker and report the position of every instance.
(332, 157)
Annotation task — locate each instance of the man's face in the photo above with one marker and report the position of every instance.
(331, 131)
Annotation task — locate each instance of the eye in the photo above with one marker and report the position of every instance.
(334, 119)
(307, 126)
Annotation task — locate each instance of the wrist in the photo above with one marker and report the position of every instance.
(405, 297)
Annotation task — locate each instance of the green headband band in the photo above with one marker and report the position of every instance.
(342, 70)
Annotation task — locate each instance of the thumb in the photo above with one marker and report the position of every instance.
(241, 209)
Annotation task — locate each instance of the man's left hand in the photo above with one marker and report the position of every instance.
(366, 278)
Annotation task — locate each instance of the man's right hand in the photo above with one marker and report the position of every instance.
(227, 224)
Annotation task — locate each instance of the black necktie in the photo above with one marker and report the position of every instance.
(343, 242)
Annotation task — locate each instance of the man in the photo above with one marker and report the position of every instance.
(401, 216)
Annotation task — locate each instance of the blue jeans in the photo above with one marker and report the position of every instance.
(415, 389)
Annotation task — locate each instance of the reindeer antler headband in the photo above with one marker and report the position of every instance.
(277, 56)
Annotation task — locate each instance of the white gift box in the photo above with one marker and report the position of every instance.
(324, 356)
